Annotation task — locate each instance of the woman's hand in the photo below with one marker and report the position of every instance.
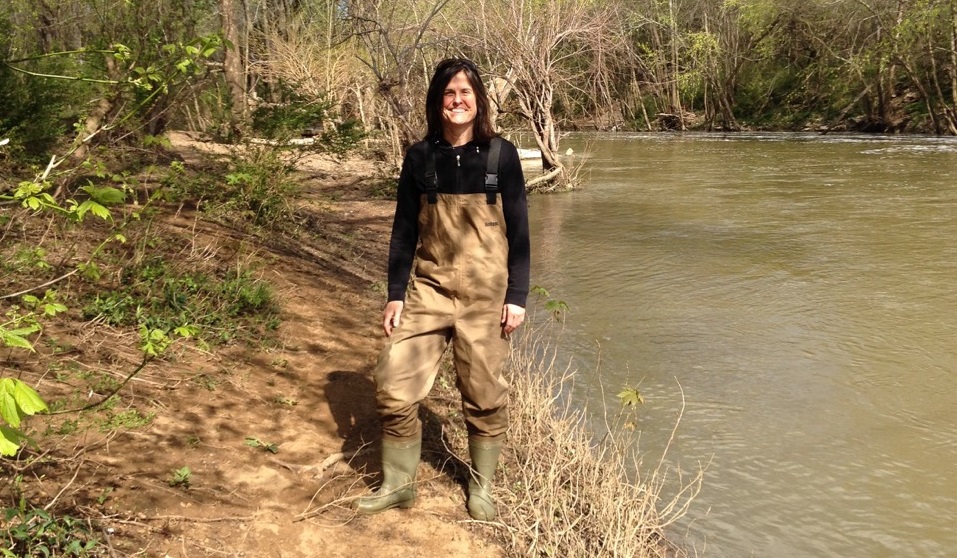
(390, 316)
(512, 317)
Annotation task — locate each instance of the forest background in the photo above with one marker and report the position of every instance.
(133, 66)
(101, 277)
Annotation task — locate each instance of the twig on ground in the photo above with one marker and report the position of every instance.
(62, 490)
(47, 284)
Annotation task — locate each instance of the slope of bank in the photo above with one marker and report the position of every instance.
(270, 437)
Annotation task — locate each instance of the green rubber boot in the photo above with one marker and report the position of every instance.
(400, 459)
(484, 454)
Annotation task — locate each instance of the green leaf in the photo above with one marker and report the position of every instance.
(540, 291)
(630, 397)
(9, 441)
(106, 195)
(11, 339)
(24, 331)
(53, 309)
(27, 398)
(101, 212)
(93, 207)
(186, 330)
(8, 406)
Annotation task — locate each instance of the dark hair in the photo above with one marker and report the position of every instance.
(482, 130)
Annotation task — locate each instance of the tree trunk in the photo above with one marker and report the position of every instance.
(233, 62)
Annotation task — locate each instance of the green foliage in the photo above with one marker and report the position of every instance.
(48, 305)
(254, 187)
(630, 397)
(296, 116)
(260, 187)
(28, 259)
(180, 477)
(290, 117)
(15, 331)
(125, 420)
(257, 443)
(17, 401)
(557, 308)
(36, 533)
(163, 300)
(34, 117)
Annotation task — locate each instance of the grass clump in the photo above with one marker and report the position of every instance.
(561, 492)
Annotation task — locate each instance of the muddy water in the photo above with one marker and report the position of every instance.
(802, 292)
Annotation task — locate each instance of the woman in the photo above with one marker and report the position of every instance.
(468, 235)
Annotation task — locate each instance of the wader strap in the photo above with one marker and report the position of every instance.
(431, 180)
(491, 173)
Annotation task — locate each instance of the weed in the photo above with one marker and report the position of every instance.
(206, 381)
(257, 443)
(104, 383)
(30, 533)
(33, 258)
(128, 420)
(56, 346)
(159, 296)
(66, 428)
(287, 401)
(180, 477)
(104, 495)
(298, 116)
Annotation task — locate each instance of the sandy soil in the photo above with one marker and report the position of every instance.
(310, 394)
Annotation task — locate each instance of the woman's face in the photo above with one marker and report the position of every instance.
(458, 103)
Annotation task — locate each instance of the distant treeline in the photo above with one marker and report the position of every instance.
(122, 69)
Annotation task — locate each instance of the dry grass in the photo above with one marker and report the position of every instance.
(562, 493)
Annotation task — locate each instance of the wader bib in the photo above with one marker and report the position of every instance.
(457, 296)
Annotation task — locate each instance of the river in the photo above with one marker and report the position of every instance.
(798, 293)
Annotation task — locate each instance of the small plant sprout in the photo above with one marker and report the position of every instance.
(631, 397)
(286, 401)
(557, 308)
(181, 477)
(257, 443)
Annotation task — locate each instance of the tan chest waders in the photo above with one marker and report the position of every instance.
(456, 297)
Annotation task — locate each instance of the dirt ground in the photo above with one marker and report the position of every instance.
(309, 394)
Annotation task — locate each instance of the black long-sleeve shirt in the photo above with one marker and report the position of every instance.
(460, 170)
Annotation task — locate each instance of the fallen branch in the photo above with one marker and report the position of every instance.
(552, 174)
(47, 284)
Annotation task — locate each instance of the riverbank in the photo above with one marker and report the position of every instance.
(258, 450)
